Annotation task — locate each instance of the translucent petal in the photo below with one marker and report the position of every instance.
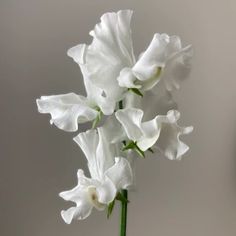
(169, 142)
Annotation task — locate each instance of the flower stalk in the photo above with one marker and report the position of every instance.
(124, 208)
(124, 204)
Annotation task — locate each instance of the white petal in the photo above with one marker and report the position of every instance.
(154, 57)
(130, 119)
(94, 197)
(80, 196)
(105, 152)
(98, 150)
(79, 212)
(94, 93)
(67, 110)
(126, 79)
(111, 50)
(121, 173)
(77, 53)
(164, 57)
(157, 101)
(151, 131)
(114, 131)
(97, 96)
(169, 142)
(88, 142)
(106, 191)
(177, 68)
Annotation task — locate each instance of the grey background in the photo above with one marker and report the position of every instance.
(189, 198)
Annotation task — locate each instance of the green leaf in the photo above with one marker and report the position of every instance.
(136, 91)
(110, 208)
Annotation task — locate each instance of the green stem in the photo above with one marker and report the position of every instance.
(124, 205)
(120, 104)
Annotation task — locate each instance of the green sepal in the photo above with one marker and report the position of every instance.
(133, 146)
(150, 150)
(130, 145)
(139, 151)
(120, 197)
(110, 208)
(97, 119)
(136, 91)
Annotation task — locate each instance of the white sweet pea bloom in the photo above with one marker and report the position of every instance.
(110, 51)
(162, 131)
(109, 174)
(67, 110)
(163, 59)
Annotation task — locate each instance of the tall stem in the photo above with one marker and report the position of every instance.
(124, 204)
(123, 219)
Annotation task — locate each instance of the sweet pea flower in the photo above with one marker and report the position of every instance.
(109, 174)
(163, 59)
(67, 110)
(162, 131)
(111, 50)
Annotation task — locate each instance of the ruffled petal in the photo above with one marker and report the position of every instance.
(80, 196)
(177, 68)
(120, 173)
(105, 152)
(110, 51)
(67, 110)
(77, 53)
(98, 150)
(157, 101)
(162, 130)
(169, 142)
(130, 119)
(153, 58)
(151, 131)
(88, 142)
(94, 94)
(80, 212)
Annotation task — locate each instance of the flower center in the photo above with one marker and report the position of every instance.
(93, 198)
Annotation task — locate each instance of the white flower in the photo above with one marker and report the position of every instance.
(109, 174)
(162, 130)
(163, 59)
(67, 110)
(110, 51)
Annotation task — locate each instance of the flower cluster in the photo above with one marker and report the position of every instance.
(119, 87)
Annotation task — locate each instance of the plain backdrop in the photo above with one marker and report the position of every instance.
(189, 198)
